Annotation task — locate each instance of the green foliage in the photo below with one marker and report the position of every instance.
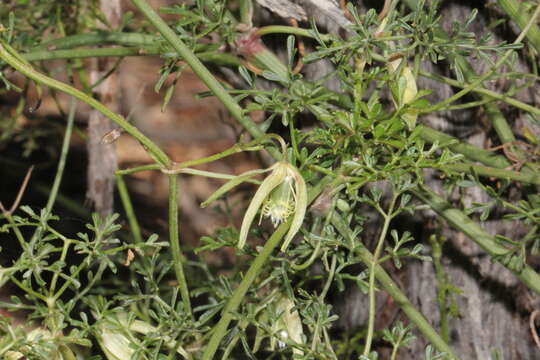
(358, 166)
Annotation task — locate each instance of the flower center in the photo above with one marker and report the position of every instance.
(280, 204)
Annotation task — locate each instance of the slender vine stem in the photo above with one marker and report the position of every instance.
(396, 347)
(235, 149)
(514, 9)
(374, 262)
(88, 53)
(525, 177)
(176, 251)
(481, 90)
(210, 56)
(128, 208)
(282, 29)
(99, 38)
(440, 276)
(63, 156)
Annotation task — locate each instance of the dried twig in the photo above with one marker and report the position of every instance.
(301, 49)
(384, 10)
(20, 194)
(532, 326)
(102, 162)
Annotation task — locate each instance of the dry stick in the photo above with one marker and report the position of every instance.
(102, 161)
(301, 49)
(385, 9)
(532, 326)
(20, 194)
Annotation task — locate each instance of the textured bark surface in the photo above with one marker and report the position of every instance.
(102, 161)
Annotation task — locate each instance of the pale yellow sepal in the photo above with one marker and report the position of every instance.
(289, 325)
(409, 94)
(117, 337)
(282, 172)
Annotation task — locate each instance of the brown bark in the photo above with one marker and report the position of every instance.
(102, 161)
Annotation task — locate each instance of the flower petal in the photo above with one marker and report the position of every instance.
(300, 206)
(269, 184)
(232, 183)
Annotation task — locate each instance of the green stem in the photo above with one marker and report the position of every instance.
(436, 252)
(375, 262)
(69, 280)
(471, 152)
(525, 177)
(87, 53)
(16, 230)
(309, 261)
(460, 221)
(137, 169)
(480, 90)
(515, 10)
(282, 29)
(29, 290)
(63, 156)
(99, 38)
(53, 193)
(63, 256)
(28, 71)
(176, 251)
(210, 56)
(329, 279)
(187, 171)
(212, 175)
(246, 12)
(393, 290)
(397, 346)
(128, 208)
(235, 149)
(234, 302)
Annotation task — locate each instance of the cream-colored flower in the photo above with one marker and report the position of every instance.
(283, 193)
(288, 326)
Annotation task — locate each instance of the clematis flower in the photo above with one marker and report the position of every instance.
(283, 193)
